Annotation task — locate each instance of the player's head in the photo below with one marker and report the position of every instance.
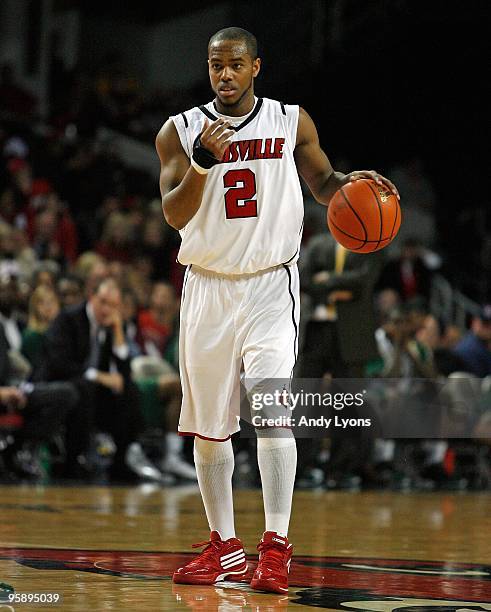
(233, 64)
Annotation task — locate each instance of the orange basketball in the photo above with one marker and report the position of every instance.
(364, 216)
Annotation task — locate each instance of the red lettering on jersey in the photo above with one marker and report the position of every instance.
(231, 153)
(268, 150)
(258, 154)
(234, 151)
(247, 150)
(278, 147)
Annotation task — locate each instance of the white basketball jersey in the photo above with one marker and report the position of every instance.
(251, 215)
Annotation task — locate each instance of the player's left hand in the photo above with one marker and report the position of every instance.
(378, 178)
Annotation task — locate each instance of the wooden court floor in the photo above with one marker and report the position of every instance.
(115, 549)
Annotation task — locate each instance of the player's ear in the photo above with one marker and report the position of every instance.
(256, 66)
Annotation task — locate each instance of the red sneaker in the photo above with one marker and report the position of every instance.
(218, 561)
(275, 555)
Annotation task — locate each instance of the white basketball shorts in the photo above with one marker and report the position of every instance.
(230, 322)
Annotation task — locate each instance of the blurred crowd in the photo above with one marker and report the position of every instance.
(89, 308)
(370, 317)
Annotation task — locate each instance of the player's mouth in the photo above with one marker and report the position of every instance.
(227, 91)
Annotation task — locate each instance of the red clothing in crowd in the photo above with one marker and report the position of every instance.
(152, 332)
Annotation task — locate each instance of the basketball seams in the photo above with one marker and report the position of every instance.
(355, 237)
(379, 204)
(355, 213)
(363, 242)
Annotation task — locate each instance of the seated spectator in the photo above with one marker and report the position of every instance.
(403, 354)
(16, 256)
(70, 289)
(408, 274)
(44, 307)
(431, 335)
(46, 273)
(52, 231)
(116, 243)
(92, 269)
(130, 320)
(386, 301)
(157, 325)
(10, 316)
(157, 245)
(86, 345)
(43, 408)
(475, 346)
(452, 335)
(157, 372)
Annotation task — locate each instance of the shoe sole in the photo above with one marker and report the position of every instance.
(259, 585)
(179, 579)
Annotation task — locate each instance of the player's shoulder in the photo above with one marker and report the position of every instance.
(281, 107)
(188, 116)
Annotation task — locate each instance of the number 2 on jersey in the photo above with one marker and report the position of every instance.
(238, 198)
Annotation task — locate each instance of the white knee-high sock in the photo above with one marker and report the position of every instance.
(214, 463)
(277, 459)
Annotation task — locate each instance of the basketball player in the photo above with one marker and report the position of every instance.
(229, 183)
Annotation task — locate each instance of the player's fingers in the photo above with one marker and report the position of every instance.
(221, 130)
(361, 174)
(391, 186)
(226, 134)
(206, 125)
(211, 127)
(382, 180)
(222, 146)
(218, 126)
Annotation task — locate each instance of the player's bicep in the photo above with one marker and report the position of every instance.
(174, 163)
(312, 163)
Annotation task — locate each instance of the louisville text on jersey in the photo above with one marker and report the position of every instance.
(259, 148)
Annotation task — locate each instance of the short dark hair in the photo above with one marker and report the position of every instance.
(110, 282)
(236, 34)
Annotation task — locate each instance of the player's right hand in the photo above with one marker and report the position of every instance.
(216, 137)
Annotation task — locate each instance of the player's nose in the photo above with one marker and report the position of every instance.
(226, 74)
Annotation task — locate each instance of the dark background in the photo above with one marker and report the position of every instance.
(398, 79)
(386, 81)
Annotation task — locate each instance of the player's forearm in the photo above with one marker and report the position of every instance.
(329, 187)
(183, 202)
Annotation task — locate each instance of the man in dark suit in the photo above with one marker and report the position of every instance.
(408, 274)
(338, 336)
(339, 322)
(86, 344)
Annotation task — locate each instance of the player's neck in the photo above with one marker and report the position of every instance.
(243, 107)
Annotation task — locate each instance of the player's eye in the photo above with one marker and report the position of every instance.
(237, 66)
(216, 66)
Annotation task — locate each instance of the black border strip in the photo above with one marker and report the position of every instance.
(283, 109)
(251, 117)
(186, 276)
(186, 124)
(295, 353)
(206, 112)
